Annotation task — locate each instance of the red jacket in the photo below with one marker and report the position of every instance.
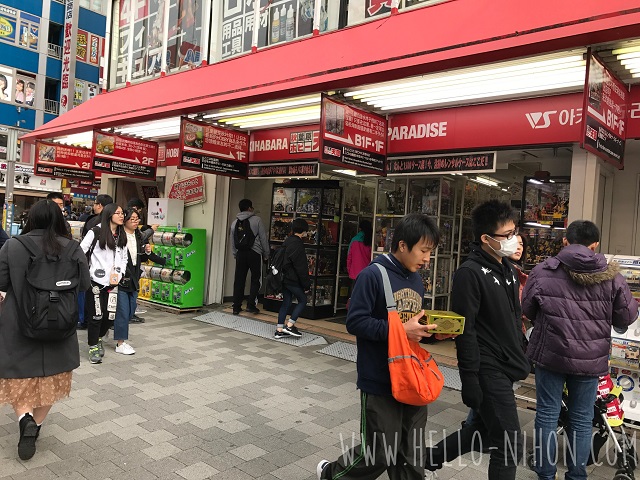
(359, 256)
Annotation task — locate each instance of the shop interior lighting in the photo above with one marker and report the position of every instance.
(83, 139)
(266, 107)
(484, 181)
(554, 73)
(533, 180)
(155, 129)
(629, 57)
(351, 173)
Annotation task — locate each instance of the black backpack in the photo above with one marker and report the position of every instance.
(243, 236)
(275, 270)
(49, 310)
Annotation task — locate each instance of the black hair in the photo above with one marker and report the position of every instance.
(299, 225)
(57, 195)
(46, 215)
(31, 85)
(523, 257)
(128, 213)
(582, 232)
(413, 228)
(490, 216)
(135, 202)
(6, 83)
(245, 204)
(106, 240)
(104, 199)
(367, 229)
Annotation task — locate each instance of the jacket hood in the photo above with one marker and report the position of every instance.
(583, 265)
(244, 215)
(392, 263)
(483, 258)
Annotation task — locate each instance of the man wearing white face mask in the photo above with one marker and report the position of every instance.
(490, 351)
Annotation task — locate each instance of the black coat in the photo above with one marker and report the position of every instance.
(92, 221)
(296, 268)
(133, 271)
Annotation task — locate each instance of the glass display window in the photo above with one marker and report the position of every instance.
(308, 201)
(280, 228)
(391, 196)
(283, 199)
(424, 196)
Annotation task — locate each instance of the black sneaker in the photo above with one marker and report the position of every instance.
(292, 330)
(28, 435)
(136, 319)
(281, 334)
(82, 326)
(236, 311)
(253, 310)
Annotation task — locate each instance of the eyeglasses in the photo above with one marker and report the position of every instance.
(119, 213)
(508, 236)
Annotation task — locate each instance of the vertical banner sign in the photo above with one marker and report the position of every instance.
(209, 149)
(606, 103)
(121, 155)
(63, 161)
(352, 138)
(68, 56)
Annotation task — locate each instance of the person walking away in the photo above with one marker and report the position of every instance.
(58, 199)
(386, 423)
(359, 254)
(3, 237)
(106, 248)
(572, 299)
(249, 245)
(490, 351)
(296, 281)
(95, 219)
(34, 374)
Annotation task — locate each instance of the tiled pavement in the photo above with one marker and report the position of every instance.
(200, 401)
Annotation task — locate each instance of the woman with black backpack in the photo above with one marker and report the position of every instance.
(34, 374)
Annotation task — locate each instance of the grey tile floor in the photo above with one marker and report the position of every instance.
(202, 401)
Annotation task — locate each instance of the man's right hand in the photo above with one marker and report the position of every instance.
(471, 391)
(415, 330)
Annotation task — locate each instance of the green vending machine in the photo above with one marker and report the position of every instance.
(179, 283)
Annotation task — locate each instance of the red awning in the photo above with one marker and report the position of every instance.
(445, 36)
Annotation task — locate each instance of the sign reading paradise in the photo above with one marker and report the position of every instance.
(63, 161)
(351, 138)
(208, 149)
(125, 156)
(606, 105)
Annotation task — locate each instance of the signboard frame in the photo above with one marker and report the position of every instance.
(106, 146)
(421, 163)
(56, 168)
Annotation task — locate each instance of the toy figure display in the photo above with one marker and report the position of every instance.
(280, 227)
(312, 234)
(308, 201)
(311, 261)
(326, 263)
(331, 201)
(283, 199)
(423, 196)
(391, 196)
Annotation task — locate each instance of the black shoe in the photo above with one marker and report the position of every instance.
(38, 431)
(137, 319)
(292, 330)
(82, 326)
(236, 311)
(28, 435)
(281, 334)
(253, 310)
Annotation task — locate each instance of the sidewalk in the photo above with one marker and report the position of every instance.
(199, 401)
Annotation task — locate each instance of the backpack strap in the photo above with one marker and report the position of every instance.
(386, 283)
(96, 231)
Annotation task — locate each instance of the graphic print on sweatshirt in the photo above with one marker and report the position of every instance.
(409, 303)
(487, 271)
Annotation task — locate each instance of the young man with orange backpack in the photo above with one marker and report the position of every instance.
(391, 433)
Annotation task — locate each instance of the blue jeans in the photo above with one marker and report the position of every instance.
(81, 307)
(581, 398)
(288, 291)
(124, 311)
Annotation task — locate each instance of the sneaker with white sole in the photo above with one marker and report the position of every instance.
(125, 349)
(320, 468)
(281, 334)
(140, 311)
(292, 330)
(94, 354)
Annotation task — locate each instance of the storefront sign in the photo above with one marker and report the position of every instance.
(169, 154)
(120, 155)
(82, 45)
(467, 163)
(285, 144)
(68, 57)
(352, 138)
(633, 130)
(63, 161)
(191, 190)
(285, 170)
(25, 179)
(205, 148)
(606, 102)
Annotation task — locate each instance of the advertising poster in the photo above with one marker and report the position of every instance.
(78, 93)
(8, 24)
(94, 49)
(63, 161)
(606, 103)
(440, 164)
(352, 138)
(7, 90)
(126, 156)
(237, 26)
(82, 45)
(19, 28)
(205, 148)
(29, 31)
(3, 146)
(190, 189)
(25, 90)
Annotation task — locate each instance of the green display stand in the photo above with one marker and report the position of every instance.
(182, 278)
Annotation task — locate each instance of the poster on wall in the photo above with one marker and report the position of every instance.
(78, 93)
(209, 149)
(125, 156)
(7, 90)
(352, 138)
(25, 89)
(606, 103)
(95, 49)
(82, 45)
(191, 189)
(63, 161)
(19, 28)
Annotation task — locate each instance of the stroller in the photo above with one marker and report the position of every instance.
(607, 416)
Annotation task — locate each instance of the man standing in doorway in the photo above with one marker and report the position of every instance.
(250, 246)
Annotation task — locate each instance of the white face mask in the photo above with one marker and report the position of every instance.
(507, 246)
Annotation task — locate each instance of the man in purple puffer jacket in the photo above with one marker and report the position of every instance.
(573, 300)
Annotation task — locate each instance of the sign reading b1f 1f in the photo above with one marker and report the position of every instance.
(352, 138)
(126, 156)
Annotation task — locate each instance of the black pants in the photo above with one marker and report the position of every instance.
(495, 425)
(97, 327)
(393, 439)
(245, 261)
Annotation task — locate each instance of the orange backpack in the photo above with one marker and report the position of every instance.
(415, 376)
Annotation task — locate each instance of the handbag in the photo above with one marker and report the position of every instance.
(415, 376)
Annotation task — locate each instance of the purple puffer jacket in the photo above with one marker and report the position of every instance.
(573, 299)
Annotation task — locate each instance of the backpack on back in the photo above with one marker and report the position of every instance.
(275, 270)
(243, 236)
(49, 310)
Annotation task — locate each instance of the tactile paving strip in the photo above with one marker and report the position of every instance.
(348, 351)
(257, 328)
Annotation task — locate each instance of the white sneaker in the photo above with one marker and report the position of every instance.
(125, 349)
(320, 468)
(140, 311)
(429, 475)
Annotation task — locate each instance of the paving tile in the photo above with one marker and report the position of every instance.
(248, 452)
(161, 450)
(197, 471)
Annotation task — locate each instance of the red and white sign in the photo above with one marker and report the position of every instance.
(606, 103)
(191, 190)
(352, 138)
(82, 45)
(285, 144)
(169, 154)
(210, 149)
(63, 161)
(126, 156)
(68, 56)
(633, 130)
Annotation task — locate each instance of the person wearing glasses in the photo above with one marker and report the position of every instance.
(106, 249)
(490, 352)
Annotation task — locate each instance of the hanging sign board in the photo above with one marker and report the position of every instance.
(606, 104)
(63, 161)
(125, 156)
(352, 138)
(285, 170)
(284, 144)
(440, 164)
(208, 149)
(191, 190)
